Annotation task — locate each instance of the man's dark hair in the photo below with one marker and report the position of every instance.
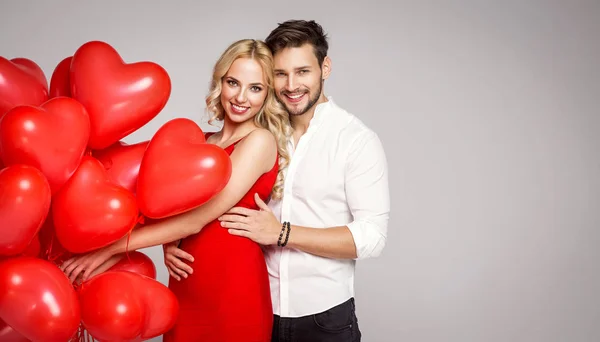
(295, 33)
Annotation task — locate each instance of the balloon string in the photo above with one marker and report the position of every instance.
(49, 256)
(49, 251)
(78, 337)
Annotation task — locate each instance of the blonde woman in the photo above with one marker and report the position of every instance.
(227, 297)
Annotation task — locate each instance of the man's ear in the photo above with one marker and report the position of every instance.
(326, 68)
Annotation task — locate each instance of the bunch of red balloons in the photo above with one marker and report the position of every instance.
(69, 185)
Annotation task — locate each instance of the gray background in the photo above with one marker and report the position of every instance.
(489, 113)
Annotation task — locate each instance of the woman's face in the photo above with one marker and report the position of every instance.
(243, 90)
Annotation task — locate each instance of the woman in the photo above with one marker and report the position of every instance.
(227, 297)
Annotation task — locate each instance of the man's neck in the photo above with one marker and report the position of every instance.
(300, 122)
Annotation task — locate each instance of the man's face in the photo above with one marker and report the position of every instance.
(298, 78)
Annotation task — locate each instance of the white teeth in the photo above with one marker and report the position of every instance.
(295, 96)
(238, 108)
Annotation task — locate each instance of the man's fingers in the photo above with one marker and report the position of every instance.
(234, 225)
(178, 271)
(261, 204)
(172, 274)
(234, 218)
(240, 211)
(181, 265)
(180, 253)
(237, 232)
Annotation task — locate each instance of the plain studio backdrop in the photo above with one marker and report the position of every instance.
(489, 113)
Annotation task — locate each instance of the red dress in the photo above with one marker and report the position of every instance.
(227, 297)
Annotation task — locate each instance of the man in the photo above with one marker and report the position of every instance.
(336, 199)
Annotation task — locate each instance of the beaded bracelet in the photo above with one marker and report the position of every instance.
(281, 234)
(287, 235)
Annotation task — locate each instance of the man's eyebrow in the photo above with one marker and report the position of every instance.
(296, 69)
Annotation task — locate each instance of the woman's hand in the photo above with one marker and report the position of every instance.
(83, 266)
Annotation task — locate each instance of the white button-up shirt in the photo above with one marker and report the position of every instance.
(337, 176)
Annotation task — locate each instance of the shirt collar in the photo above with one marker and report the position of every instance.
(318, 117)
(320, 110)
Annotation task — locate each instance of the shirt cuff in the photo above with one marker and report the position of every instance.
(369, 242)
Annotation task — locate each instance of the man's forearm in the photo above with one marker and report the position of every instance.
(334, 242)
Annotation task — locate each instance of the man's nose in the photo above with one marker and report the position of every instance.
(290, 84)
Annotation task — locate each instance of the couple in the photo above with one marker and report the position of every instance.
(324, 176)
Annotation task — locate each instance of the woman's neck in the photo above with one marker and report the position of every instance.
(233, 131)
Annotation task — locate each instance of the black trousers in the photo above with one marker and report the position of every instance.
(338, 324)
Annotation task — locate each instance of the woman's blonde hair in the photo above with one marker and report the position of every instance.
(271, 116)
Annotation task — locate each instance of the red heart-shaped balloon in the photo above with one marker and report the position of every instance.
(122, 163)
(60, 82)
(179, 170)
(136, 262)
(37, 300)
(122, 305)
(90, 211)
(119, 97)
(24, 205)
(52, 138)
(21, 84)
(33, 69)
(162, 307)
(111, 306)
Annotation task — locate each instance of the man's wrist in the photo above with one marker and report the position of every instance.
(284, 234)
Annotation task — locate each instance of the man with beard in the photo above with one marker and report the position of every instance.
(335, 205)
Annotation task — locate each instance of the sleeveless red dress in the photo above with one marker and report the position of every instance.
(227, 297)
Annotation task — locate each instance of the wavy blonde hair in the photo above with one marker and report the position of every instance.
(271, 116)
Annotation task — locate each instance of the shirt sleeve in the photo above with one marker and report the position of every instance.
(367, 194)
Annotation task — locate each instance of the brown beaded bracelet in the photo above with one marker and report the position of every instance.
(281, 234)
(287, 235)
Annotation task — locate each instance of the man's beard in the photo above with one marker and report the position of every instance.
(311, 102)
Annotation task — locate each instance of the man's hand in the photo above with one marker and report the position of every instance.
(176, 267)
(259, 226)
